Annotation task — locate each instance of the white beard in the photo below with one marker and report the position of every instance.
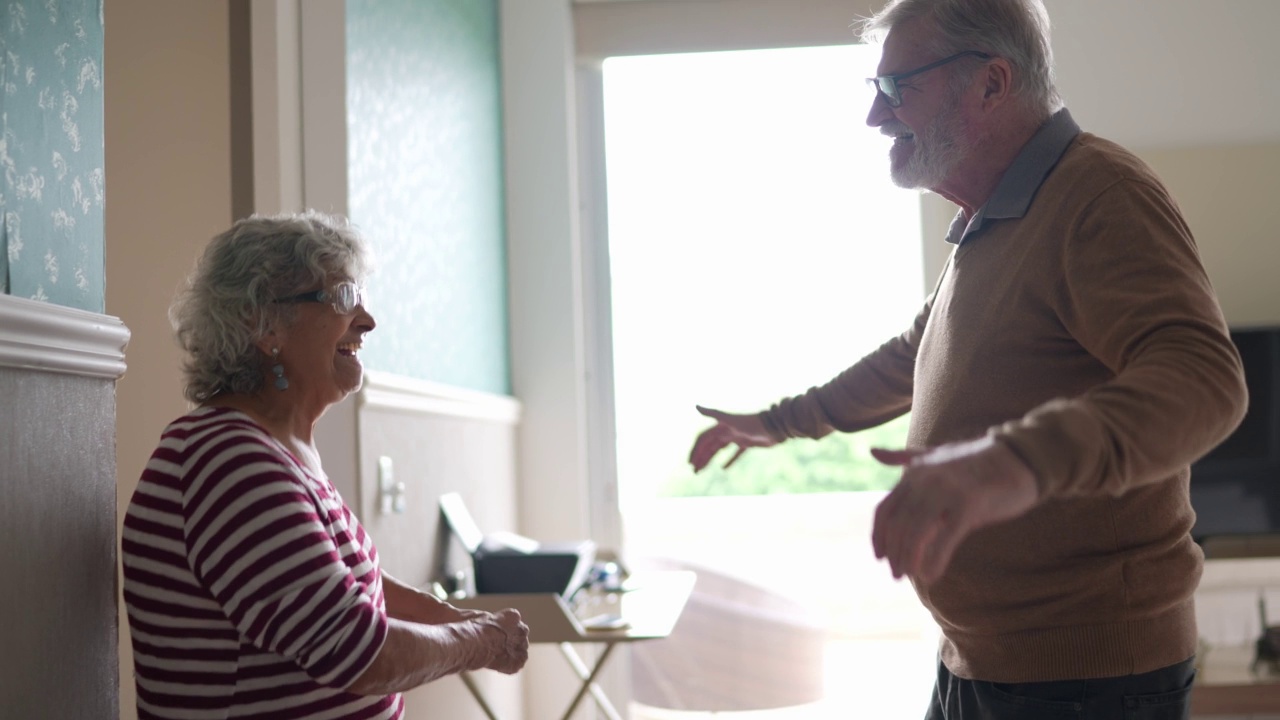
(936, 153)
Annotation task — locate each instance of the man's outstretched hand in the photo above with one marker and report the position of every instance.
(947, 492)
(745, 431)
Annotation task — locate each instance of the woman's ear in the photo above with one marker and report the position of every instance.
(274, 325)
(270, 340)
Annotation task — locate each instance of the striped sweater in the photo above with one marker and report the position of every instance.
(252, 592)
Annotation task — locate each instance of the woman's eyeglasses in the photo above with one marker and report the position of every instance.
(887, 85)
(343, 296)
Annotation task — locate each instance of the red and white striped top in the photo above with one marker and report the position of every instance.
(252, 591)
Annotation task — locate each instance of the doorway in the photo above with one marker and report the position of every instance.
(757, 248)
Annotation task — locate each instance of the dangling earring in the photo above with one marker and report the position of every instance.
(282, 383)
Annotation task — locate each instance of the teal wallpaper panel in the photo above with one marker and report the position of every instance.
(426, 185)
(51, 151)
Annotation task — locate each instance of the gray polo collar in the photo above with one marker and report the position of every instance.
(1018, 187)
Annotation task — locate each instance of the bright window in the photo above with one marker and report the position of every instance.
(757, 248)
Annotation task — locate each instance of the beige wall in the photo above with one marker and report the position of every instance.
(1226, 193)
(168, 178)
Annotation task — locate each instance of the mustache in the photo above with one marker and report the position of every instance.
(892, 128)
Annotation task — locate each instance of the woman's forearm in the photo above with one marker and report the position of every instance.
(415, 653)
(405, 602)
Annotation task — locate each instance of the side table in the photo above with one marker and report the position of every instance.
(649, 604)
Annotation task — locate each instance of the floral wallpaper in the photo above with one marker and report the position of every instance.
(426, 186)
(51, 136)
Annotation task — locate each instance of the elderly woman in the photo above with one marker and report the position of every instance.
(251, 588)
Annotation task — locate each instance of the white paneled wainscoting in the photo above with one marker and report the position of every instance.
(58, 370)
(421, 440)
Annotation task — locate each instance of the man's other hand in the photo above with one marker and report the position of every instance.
(947, 492)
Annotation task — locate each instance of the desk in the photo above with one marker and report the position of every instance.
(1224, 685)
(650, 602)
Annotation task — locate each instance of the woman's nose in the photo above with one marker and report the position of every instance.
(364, 318)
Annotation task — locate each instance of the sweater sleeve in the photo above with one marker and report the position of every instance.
(1135, 296)
(875, 390)
(258, 543)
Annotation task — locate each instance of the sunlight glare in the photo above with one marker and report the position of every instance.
(757, 245)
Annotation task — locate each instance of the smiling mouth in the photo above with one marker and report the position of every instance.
(897, 131)
(349, 349)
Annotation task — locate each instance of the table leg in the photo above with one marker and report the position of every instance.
(588, 677)
(475, 692)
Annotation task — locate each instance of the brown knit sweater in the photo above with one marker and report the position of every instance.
(1081, 330)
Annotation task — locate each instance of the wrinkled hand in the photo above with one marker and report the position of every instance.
(946, 493)
(504, 641)
(745, 431)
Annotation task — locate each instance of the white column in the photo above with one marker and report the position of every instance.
(544, 260)
(545, 266)
(275, 42)
(311, 158)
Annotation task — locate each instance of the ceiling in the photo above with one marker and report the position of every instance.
(1161, 73)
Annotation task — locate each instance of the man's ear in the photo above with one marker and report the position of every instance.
(997, 81)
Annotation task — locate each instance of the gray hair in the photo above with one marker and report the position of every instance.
(1016, 30)
(227, 304)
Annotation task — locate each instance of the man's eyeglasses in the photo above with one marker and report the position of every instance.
(343, 296)
(887, 85)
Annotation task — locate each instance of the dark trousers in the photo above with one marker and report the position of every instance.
(1163, 694)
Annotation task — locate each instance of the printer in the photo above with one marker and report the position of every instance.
(505, 562)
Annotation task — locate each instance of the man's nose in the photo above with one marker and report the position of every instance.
(880, 111)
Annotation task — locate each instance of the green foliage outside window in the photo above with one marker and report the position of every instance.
(840, 462)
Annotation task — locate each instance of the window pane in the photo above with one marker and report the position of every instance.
(758, 248)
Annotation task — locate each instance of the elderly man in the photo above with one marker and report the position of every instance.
(1069, 366)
